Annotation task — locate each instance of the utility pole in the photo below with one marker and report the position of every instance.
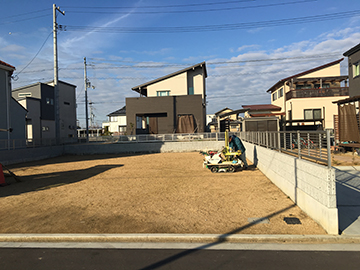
(92, 115)
(56, 74)
(86, 102)
(87, 85)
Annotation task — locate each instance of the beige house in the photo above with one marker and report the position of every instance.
(227, 119)
(306, 99)
(172, 103)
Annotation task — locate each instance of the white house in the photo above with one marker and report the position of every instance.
(117, 122)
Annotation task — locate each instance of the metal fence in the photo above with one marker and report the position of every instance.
(311, 145)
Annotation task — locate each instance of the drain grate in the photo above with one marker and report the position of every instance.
(292, 220)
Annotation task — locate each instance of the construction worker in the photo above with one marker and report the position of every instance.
(236, 144)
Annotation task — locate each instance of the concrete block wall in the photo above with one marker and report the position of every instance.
(311, 186)
(30, 154)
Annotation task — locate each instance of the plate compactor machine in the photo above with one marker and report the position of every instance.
(225, 160)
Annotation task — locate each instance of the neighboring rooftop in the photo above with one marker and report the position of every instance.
(274, 87)
(352, 50)
(262, 107)
(142, 87)
(119, 112)
(6, 65)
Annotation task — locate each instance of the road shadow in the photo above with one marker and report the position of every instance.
(40, 181)
(221, 239)
(347, 197)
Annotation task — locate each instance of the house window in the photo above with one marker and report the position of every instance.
(163, 93)
(49, 101)
(24, 95)
(356, 69)
(191, 90)
(324, 85)
(281, 92)
(122, 129)
(113, 118)
(274, 96)
(310, 114)
(303, 86)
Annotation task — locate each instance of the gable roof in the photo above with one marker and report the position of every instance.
(352, 50)
(226, 108)
(303, 73)
(121, 111)
(144, 85)
(262, 107)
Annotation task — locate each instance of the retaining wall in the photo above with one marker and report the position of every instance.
(309, 185)
(30, 154)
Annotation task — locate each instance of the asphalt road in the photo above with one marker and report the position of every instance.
(90, 258)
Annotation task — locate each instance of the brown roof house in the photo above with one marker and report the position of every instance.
(175, 103)
(306, 99)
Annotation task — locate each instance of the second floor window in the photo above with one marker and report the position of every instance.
(163, 93)
(356, 69)
(281, 92)
(274, 96)
(303, 86)
(310, 114)
(324, 85)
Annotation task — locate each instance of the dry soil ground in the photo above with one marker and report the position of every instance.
(154, 193)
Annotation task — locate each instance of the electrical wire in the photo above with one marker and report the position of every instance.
(170, 6)
(219, 27)
(191, 10)
(163, 65)
(17, 74)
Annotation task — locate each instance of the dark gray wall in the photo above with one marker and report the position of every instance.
(47, 110)
(41, 91)
(354, 83)
(171, 105)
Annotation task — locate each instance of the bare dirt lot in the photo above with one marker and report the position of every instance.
(153, 193)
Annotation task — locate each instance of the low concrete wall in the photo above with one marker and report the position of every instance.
(309, 185)
(30, 154)
(144, 147)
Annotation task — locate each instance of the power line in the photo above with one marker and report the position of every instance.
(162, 65)
(219, 27)
(169, 6)
(34, 56)
(190, 10)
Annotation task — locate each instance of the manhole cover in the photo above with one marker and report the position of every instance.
(292, 220)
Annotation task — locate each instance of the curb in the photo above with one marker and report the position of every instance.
(181, 238)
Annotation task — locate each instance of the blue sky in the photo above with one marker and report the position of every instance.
(248, 45)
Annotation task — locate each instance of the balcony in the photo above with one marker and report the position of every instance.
(316, 92)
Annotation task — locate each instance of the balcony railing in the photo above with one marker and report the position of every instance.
(322, 92)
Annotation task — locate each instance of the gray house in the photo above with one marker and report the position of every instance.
(38, 99)
(12, 114)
